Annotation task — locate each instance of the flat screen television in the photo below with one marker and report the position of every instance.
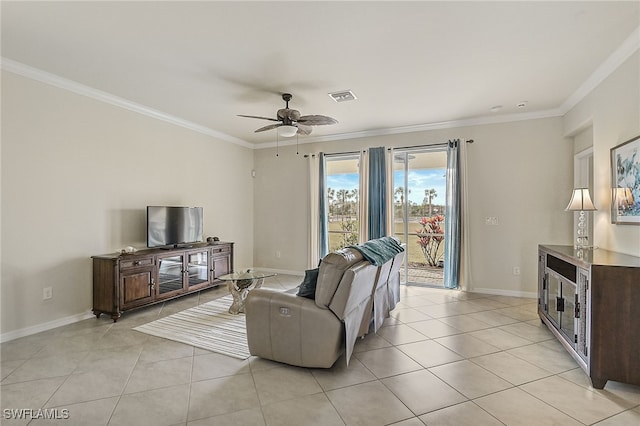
(173, 226)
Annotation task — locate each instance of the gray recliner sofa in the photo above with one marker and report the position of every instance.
(352, 297)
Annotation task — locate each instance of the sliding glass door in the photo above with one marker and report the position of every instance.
(419, 182)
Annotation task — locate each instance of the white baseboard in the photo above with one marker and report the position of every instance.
(28, 331)
(498, 292)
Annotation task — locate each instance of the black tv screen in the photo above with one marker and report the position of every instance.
(173, 226)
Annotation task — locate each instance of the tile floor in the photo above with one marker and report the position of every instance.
(444, 358)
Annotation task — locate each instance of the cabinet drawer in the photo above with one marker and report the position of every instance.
(135, 263)
(221, 249)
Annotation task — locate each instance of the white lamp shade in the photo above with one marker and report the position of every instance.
(287, 131)
(580, 200)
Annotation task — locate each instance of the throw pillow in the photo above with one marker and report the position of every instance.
(308, 287)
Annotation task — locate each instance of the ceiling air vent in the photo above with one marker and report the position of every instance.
(343, 96)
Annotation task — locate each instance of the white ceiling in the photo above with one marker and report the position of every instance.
(412, 65)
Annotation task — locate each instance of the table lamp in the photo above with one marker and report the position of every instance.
(581, 201)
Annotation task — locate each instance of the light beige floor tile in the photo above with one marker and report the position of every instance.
(42, 368)
(576, 401)
(466, 413)
(622, 393)
(32, 394)
(89, 386)
(492, 318)
(339, 375)
(499, 338)
(511, 368)
(249, 417)
(279, 384)
(407, 315)
(122, 337)
(368, 404)
(307, 410)
(160, 374)
(120, 358)
(413, 421)
(528, 331)
(369, 342)
(213, 365)
(465, 323)
(159, 349)
(414, 301)
(94, 413)
(521, 313)
(387, 362)
(626, 418)
(544, 357)
(434, 328)
(422, 391)
(467, 345)
(399, 334)
(8, 367)
(221, 396)
(518, 408)
(469, 379)
(429, 353)
(158, 407)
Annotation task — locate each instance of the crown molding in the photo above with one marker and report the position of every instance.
(63, 83)
(476, 121)
(617, 58)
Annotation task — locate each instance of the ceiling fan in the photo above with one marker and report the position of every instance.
(291, 122)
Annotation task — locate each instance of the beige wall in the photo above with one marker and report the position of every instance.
(77, 175)
(520, 172)
(613, 109)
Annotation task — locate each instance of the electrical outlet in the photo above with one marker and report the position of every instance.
(516, 270)
(491, 220)
(47, 293)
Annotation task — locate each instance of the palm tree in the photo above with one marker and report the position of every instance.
(429, 195)
(342, 195)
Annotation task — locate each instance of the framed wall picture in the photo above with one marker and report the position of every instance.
(625, 183)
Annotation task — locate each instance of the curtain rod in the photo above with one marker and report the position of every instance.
(436, 145)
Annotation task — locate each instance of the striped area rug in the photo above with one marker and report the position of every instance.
(208, 326)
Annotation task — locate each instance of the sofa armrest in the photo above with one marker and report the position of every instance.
(286, 328)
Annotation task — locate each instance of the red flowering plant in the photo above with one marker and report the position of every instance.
(430, 236)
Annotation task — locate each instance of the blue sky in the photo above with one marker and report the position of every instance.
(419, 180)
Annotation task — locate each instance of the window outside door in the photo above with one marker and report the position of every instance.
(419, 182)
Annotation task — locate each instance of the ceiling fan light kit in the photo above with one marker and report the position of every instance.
(287, 131)
(290, 122)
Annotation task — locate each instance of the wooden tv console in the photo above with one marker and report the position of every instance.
(590, 300)
(122, 282)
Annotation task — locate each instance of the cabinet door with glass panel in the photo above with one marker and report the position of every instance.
(171, 272)
(198, 270)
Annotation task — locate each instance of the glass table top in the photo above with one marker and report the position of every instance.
(246, 275)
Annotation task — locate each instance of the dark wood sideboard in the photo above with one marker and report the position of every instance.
(590, 300)
(128, 281)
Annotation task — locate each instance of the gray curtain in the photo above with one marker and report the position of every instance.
(377, 193)
(453, 218)
(322, 208)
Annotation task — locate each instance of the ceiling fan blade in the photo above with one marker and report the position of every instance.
(269, 127)
(316, 120)
(303, 129)
(256, 116)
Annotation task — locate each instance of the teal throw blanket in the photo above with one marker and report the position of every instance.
(380, 250)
